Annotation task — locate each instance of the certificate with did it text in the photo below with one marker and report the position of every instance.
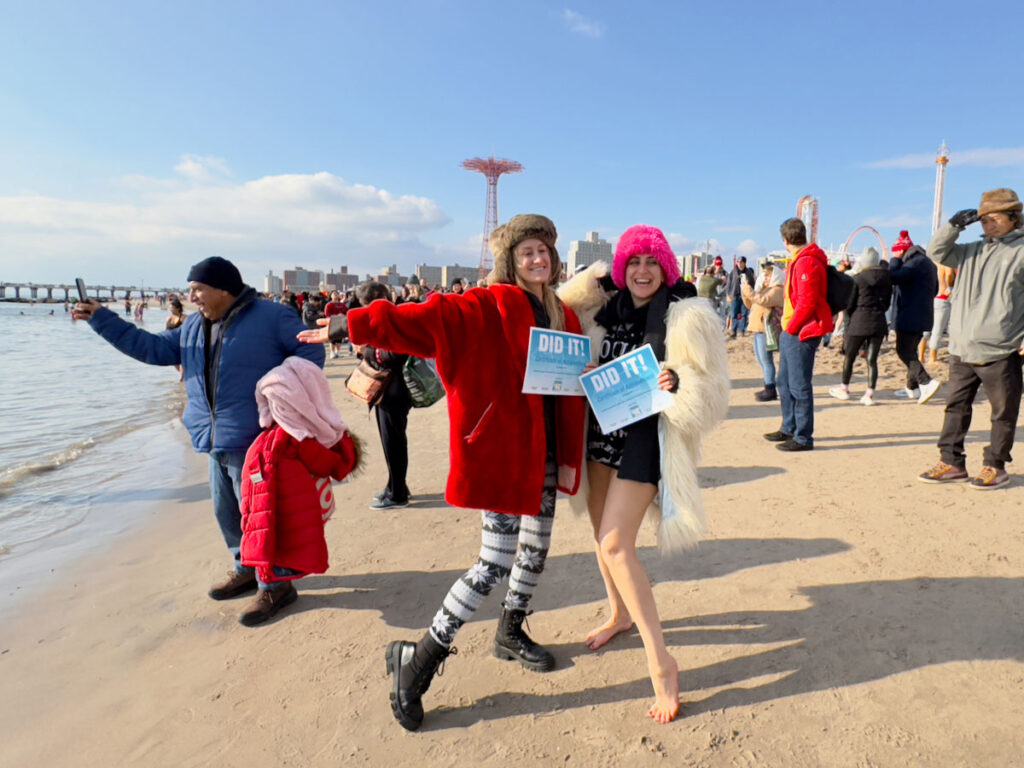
(554, 362)
(625, 390)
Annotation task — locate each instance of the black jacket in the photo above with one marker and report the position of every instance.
(871, 297)
(915, 282)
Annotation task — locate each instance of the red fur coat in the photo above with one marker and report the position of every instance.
(496, 433)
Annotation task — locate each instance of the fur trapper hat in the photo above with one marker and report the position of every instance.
(903, 244)
(1000, 200)
(644, 239)
(505, 238)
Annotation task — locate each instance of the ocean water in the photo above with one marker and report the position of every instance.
(81, 425)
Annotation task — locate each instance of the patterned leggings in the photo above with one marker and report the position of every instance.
(511, 545)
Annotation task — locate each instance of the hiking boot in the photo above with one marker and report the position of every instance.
(944, 473)
(511, 643)
(989, 479)
(839, 393)
(907, 394)
(413, 666)
(777, 436)
(793, 446)
(768, 393)
(927, 390)
(267, 603)
(234, 585)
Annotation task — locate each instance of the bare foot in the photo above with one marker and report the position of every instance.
(666, 693)
(607, 631)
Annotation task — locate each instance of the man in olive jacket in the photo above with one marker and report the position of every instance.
(986, 334)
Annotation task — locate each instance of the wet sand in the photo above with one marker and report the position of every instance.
(838, 614)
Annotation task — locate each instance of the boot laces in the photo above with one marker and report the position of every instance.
(453, 651)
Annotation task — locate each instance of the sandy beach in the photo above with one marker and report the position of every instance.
(839, 613)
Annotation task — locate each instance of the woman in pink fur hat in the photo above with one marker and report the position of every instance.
(652, 462)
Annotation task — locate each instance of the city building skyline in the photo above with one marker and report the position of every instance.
(583, 253)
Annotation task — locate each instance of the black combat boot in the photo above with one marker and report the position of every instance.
(768, 393)
(413, 666)
(511, 643)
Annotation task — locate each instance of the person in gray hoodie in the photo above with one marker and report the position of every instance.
(986, 334)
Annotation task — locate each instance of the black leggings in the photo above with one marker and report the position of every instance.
(852, 347)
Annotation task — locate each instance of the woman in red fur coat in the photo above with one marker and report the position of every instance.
(480, 340)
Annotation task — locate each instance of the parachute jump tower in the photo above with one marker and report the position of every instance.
(492, 169)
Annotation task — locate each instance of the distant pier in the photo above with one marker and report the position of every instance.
(59, 292)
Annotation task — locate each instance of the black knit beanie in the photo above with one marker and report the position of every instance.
(217, 272)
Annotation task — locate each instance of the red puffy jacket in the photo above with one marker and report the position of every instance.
(806, 285)
(287, 498)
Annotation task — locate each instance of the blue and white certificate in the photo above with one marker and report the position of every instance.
(554, 362)
(625, 390)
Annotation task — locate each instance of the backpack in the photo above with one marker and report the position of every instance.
(838, 289)
(422, 381)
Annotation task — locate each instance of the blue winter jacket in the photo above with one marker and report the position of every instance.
(915, 281)
(257, 336)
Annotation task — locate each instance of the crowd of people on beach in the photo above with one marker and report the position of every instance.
(259, 404)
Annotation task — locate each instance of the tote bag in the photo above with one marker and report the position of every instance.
(772, 331)
(422, 381)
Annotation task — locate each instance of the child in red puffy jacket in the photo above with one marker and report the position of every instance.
(286, 482)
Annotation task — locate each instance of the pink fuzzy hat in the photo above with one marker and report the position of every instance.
(644, 239)
(903, 243)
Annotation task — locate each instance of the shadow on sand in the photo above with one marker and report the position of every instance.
(850, 634)
(408, 599)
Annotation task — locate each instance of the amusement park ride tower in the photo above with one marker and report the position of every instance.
(807, 211)
(941, 161)
(492, 169)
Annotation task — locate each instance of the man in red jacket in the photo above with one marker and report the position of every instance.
(806, 317)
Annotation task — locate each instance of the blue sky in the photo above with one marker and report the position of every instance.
(137, 138)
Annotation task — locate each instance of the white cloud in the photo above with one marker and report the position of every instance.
(465, 252)
(986, 158)
(684, 246)
(751, 249)
(581, 25)
(202, 169)
(166, 224)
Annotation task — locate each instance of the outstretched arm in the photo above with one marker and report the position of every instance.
(162, 348)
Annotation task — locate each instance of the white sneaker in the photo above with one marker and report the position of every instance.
(907, 394)
(927, 390)
(867, 399)
(839, 393)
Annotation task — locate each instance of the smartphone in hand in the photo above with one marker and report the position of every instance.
(80, 284)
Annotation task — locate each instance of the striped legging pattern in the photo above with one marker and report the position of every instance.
(513, 546)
